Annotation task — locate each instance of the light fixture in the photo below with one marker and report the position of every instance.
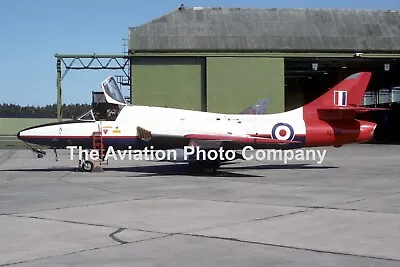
(315, 66)
(387, 67)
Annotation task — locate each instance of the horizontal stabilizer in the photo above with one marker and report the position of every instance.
(344, 112)
(356, 109)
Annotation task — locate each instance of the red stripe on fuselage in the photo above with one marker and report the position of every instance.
(75, 136)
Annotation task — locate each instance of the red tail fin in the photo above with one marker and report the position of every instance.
(347, 93)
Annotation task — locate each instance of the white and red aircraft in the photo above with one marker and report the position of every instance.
(327, 121)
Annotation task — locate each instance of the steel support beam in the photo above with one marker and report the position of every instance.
(59, 92)
(91, 62)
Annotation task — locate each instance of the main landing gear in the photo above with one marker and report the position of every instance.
(203, 167)
(84, 164)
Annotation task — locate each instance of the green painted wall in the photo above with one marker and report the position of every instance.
(235, 83)
(11, 126)
(170, 82)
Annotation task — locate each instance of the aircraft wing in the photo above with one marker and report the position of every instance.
(211, 137)
(257, 108)
(236, 139)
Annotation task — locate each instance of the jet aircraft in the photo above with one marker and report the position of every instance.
(329, 120)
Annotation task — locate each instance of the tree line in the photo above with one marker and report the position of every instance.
(48, 111)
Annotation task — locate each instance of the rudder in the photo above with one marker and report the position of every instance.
(348, 93)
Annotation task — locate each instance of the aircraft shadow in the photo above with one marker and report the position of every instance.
(58, 169)
(144, 171)
(174, 170)
(224, 171)
(181, 170)
(280, 167)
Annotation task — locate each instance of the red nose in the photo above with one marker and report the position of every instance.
(366, 131)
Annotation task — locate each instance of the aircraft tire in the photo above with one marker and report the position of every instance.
(40, 155)
(87, 166)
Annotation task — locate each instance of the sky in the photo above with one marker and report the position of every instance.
(32, 32)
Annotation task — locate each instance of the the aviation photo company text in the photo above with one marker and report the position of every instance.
(198, 154)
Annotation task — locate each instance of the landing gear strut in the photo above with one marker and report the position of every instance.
(55, 153)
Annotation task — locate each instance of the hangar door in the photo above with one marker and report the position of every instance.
(234, 83)
(174, 82)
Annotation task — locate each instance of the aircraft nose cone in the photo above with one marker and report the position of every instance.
(19, 135)
(22, 135)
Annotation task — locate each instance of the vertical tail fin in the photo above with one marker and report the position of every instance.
(348, 93)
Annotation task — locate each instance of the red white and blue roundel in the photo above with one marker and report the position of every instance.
(282, 131)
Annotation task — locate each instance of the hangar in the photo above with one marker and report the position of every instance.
(224, 59)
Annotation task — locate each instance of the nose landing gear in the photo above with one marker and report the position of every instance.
(39, 153)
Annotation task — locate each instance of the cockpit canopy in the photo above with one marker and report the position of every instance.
(112, 92)
(106, 105)
(88, 116)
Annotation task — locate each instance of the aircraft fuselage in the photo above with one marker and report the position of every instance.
(172, 124)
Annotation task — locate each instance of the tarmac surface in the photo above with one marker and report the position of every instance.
(343, 212)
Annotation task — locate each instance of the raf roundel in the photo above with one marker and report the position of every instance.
(283, 131)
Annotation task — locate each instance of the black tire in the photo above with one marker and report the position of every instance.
(203, 167)
(40, 155)
(87, 166)
(193, 168)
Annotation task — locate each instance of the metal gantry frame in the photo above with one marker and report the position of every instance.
(92, 62)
